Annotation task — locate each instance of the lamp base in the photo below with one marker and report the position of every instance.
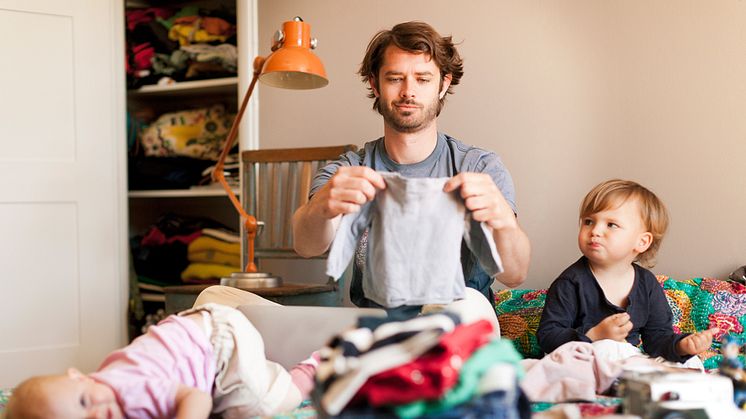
(251, 280)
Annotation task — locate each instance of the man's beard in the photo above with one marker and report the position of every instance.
(403, 122)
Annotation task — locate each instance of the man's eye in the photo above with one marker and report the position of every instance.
(396, 80)
(424, 80)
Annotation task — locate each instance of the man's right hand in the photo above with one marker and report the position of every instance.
(615, 327)
(315, 222)
(347, 191)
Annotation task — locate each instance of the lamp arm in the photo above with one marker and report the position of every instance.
(249, 221)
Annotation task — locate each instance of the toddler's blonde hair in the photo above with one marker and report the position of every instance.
(613, 193)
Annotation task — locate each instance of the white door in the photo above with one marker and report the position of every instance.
(62, 185)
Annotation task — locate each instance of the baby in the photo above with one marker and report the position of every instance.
(209, 359)
(605, 295)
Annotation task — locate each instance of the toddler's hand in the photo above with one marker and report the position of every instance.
(696, 343)
(615, 327)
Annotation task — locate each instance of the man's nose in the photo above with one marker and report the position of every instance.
(407, 89)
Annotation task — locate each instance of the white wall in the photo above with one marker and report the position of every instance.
(569, 93)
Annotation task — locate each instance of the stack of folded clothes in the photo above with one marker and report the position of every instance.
(165, 253)
(431, 366)
(213, 255)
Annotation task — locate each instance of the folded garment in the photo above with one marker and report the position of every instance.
(214, 257)
(204, 243)
(222, 234)
(196, 272)
(357, 354)
(432, 374)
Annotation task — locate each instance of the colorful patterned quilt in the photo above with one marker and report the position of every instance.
(697, 304)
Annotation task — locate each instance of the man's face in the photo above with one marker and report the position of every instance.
(409, 90)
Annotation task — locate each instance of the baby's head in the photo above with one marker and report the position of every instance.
(614, 193)
(71, 395)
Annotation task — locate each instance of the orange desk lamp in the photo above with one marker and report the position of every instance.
(290, 65)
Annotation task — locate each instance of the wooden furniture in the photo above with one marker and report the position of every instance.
(275, 183)
(182, 297)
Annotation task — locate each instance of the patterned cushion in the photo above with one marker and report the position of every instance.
(518, 312)
(697, 304)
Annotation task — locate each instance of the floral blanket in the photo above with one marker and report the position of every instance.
(697, 304)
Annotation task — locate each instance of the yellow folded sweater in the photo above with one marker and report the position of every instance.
(204, 271)
(202, 243)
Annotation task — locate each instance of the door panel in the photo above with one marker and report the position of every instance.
(62, 194)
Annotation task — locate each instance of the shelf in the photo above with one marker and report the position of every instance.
(180, 193)
(223, 85)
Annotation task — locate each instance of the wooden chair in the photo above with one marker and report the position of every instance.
(275, 183)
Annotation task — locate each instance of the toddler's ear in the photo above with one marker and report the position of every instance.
(75, 374)
(644, 242)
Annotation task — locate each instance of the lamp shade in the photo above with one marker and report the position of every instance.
(293, 65)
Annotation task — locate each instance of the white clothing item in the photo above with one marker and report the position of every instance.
(612, 350)
(471, 308)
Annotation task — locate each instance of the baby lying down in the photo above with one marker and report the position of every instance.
(209, 359)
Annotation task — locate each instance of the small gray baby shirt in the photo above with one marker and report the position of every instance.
(414, 243)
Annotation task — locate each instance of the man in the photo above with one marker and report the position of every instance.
(410, 69)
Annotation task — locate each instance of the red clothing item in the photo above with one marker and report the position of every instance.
(431, 375)
(138, 16)
(155, 237)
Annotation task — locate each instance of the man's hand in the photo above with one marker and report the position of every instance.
(316, 221)
(487, 204)
(347, 191)
(483, 198)
(615, 327)
(696, 343)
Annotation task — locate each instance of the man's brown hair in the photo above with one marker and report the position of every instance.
(418, 38)
(613, 193)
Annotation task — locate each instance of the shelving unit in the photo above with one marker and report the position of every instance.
(147, 206)
(226, 85)
(181, 193)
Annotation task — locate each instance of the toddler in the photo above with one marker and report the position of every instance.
(605, 295)
(209, 359)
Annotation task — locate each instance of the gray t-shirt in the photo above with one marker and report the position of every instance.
(449, 158)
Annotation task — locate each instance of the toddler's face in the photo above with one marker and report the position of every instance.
(615, 235)
(76, 395)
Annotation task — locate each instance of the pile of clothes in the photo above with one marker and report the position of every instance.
(431, 366)
(170, 44)
(178, 150)
(213, 255)
(180, 250)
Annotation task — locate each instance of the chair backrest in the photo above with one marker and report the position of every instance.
(277, 182)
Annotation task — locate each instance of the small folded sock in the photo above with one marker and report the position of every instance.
(303, 373)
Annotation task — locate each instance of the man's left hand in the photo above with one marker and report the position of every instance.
(483, 198)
